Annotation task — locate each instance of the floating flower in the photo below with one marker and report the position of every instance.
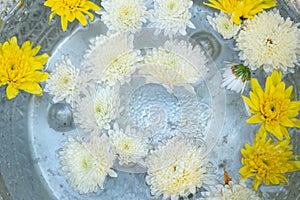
(177, 63)
(65, 81)
(223, 24)
(270, 42)
(230, 191)
(268, 161)
(123, 15)
(236, 77)
(273, 107)
(19, 68)
(239, 9)
(69, 10)
(172, 16)
(96, 108)
(130, 145)
(176, 168)
(112, 59)
(86, 164)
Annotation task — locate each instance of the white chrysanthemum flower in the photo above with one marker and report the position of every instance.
(123, 15)
(176, 169)
(112, 59)
(224, 25)
(172, 16)
(236, 77)
(270, 42)
(177, 63)
(231, 191)
(96, 108)
(65, 81)
(86, 165)
(130, 145)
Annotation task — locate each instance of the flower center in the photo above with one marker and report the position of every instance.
(269, 42)
(98, 109)
(272, 110)
(13, 73)
(64, 80)
(171, 5)
(86, 162)
(12, 67)
(101, 110)
(125, 13)
(72, 4)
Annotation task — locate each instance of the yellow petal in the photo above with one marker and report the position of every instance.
(278, 131)
(91, 16)
(92, 6)
(11, 92)
(295, 105)
(286, 122)
(256, 88)
(13, 40)
(81, 18)
(255, 100)
(296, 122)
(276, 77)
(296, 165)
(256, 119)
(288, 92)
(52, 14)
(64, 23)
(71, 17)
(256, 183)
(245, 172)
(38, 76)
(32, 88)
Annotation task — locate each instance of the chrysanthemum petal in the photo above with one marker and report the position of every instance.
(11, 92)
(287, 122)
(256, 87)
(296, 122)
(81, 18)
(296, 165)
(32, 88)
(39, 76)
(258, 118)
(256, 183)
(64, 23)
(92, 6)
(229, 191)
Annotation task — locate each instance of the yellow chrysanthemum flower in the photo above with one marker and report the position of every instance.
(68, 10)
(267, 161)
(19, 68)
(273, 107)
(239, 9)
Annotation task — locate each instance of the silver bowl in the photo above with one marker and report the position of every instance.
(32, 128)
